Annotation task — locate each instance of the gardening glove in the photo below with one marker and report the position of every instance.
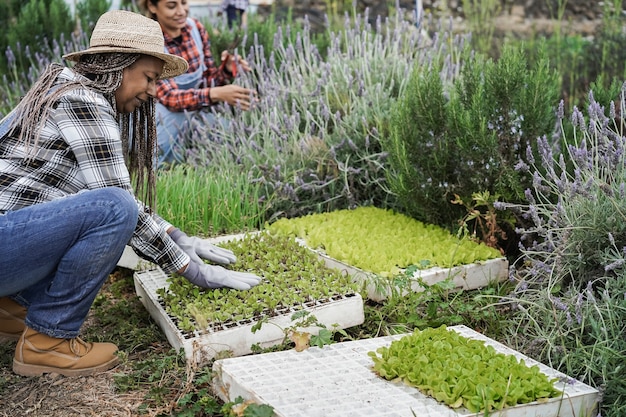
(199, 249)
(213, 276)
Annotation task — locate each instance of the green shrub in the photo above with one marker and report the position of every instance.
(40, 23)
(469, 136)
(568, 57)
(89, 11)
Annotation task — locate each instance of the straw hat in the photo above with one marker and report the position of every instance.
(128, 32)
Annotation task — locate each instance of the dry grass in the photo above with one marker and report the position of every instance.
(54, 395)
(57, 396)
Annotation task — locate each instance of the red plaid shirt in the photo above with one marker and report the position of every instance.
(184, 46)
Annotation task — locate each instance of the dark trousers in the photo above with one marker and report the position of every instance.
(233, 15)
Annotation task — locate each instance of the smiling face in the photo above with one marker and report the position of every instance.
(138, 83)
(171, 15)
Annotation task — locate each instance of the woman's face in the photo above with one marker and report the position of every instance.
(138, 83)
(171, 15)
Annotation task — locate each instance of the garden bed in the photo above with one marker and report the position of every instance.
(338, 380)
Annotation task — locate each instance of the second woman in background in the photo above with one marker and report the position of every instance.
(190, 95)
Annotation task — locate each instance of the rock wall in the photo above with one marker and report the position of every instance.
(545, 9)
(575, 10)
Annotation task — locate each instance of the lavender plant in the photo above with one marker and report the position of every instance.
(570, 295)
(38, 24)
(25, 67)
(313, 140)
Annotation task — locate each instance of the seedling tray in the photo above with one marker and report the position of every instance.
(467, 277)
(338, 380)
(236, 337)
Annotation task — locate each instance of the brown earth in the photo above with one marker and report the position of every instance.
(57, 396)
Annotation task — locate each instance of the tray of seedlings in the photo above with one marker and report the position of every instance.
(387, 251)
(299, 295)
(436, 372)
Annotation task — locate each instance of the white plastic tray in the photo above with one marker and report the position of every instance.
(338, 380)
(237, 338)
(467, 277)
(129, 259)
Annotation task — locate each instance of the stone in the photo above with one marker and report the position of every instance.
(515, 15)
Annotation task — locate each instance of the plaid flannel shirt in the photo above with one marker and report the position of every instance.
(80, 148)
(184, 46)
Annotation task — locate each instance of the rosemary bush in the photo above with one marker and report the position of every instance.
(461, 134)
(570, 297)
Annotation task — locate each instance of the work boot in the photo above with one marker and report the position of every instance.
(37, 354)
(12, 317)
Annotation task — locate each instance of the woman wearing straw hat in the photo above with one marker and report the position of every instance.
(192, 95)
(68, 152)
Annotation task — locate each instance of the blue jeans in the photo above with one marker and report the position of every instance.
(55, 256)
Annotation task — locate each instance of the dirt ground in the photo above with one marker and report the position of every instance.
(59, 397)
(56, 396)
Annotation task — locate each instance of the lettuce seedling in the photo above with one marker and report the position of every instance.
(462, 372)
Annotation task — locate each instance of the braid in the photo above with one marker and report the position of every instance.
(141, 149)
(102, 73)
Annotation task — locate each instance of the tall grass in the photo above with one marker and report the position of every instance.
(210, 201)
(480, 15)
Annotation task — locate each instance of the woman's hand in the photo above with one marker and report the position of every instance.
(234, 95)
(232, 62)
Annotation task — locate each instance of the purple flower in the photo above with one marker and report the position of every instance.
(522, 166)
(499, 205)
(577, 118)
(560, 113)
(589, 292)
(614, 265)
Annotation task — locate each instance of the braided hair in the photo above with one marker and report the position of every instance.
(102, 73)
